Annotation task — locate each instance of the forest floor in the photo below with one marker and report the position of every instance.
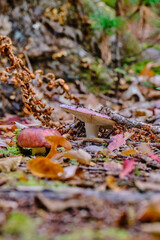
(113, 196)
(111, 191)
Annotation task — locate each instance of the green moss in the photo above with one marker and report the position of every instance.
(14, 150)
(22, 226)
(89, 234)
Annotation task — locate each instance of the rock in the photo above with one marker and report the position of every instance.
(151, 54)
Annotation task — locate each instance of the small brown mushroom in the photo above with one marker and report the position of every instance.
(35, 138)
(93, 120)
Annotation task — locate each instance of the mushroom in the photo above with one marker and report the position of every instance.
(93, 120)
(35, 138)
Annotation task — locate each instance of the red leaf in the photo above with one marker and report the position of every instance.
(10, 120)
(128, 166)
(117, 142)
(155, 157)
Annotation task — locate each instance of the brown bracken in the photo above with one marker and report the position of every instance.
(18, 74)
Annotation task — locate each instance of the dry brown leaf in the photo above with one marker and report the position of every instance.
(152, 228)
(8, 204)
(58, 205)
(110, 181)
(10, 163)
(112, 166)
(149, 210)
(128, 135)
(82, 156)
(107, 153)
(144, 148)
(147, 71)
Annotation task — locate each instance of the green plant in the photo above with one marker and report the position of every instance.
(105, 22)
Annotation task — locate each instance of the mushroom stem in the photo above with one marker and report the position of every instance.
(39, 150)
(92, 130)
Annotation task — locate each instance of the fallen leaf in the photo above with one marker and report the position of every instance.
(107, 153)
(147, 71)
(110, 181)
(10, 163)
(147, 186)
(80, 155)
(43, 167)
(10, 120)
(155, 157)
(132, 91)
(152, 228)
(70, 172)
(149, 210)
(144, 148)
(112, 166)
(58, 205)
(117, 141)
(128, 135)
(129, 152)
(128, 166)
(2, 143)
(8, 204)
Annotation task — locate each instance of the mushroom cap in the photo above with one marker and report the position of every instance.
(89, 116)
(35, 137)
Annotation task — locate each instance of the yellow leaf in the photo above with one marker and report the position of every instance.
(43, 167)
(110, 181)
(129, 152)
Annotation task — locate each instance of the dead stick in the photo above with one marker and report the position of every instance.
(95, 140)
(130, 122)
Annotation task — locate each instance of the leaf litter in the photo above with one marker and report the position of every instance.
(99, 192)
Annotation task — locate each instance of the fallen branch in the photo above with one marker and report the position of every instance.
(130, 123)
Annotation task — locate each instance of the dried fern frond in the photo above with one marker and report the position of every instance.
(18, 74)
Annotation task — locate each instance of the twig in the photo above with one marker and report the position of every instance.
(28, 61)
(95, 140)
(118, 64)
(130, 122)
(157, 145)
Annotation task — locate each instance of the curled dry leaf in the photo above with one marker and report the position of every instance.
(43, 167)
(71, 171)
(81, 156)
(10, 163)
